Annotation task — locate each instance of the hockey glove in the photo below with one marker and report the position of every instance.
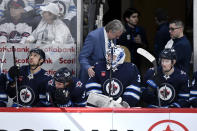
(61, 96)
(152, 86)
(13, 72)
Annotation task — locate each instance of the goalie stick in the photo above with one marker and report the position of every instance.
(152, 59)
(148, 56)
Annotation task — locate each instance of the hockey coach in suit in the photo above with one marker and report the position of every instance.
(95, 46)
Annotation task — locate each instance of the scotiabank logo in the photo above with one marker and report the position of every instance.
(168, 125)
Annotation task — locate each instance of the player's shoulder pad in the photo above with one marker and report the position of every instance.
(149, 73)
(182, 75)
(181, 72)
(51, 82)
(77, 82)
(46, 73)
(100, 65)
(128, 64)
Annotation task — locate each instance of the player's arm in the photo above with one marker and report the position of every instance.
(149, 88)
(193, 91)
(44, 93)
(183, 93)
(79, 97)
(11, 75)
(93, 86)
(132, 92)
(3, 94)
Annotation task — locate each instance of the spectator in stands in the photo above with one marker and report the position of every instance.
(3, 5)
(51, 30)
(68, 90)
(16, 27)
(68, 9)
(31, 7)
(180, 44)
(162, 35)
(96, 44)
(135, 36)
(168, 86)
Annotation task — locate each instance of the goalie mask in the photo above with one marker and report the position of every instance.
(118, 57)
(63, 75)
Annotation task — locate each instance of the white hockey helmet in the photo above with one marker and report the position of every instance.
(118, 57)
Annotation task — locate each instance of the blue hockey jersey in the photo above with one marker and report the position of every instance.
(193, 91)
(3, 94)
(77, 95)
(173, 89)
(125, 82)
(33, 89)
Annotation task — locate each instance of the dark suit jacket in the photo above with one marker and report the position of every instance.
(93, 50)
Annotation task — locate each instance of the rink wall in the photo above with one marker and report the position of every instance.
(97, 119)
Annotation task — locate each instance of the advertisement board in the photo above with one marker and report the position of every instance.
(97, 119)
(57, 56)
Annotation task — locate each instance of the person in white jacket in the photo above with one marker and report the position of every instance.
(51, 30)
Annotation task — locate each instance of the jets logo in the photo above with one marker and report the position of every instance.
(67, 74)
(78, 84)
(166, 93)
(14, 37)
(50, 82)
(26, 95)
(115, 89)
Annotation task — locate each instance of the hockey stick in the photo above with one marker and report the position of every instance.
(148, 56)
(110, 73)
(152, 59)
(16, 78)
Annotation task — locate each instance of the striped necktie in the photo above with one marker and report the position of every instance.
(109, 44)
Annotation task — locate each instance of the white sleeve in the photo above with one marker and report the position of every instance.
(6, 28)
(63, 35)
(169, 44)
(30, 38)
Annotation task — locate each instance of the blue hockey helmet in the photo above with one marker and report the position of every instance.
(63, 75)
(168, 54)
